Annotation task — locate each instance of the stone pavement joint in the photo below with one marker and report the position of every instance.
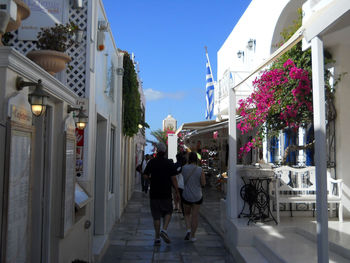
(132, 240)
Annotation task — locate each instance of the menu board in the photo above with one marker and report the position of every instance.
(18, 197)
(69, 185)
(81, 197)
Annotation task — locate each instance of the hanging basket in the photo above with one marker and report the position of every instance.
(50, 60)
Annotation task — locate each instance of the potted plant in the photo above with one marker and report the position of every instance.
(23, 12)
(52, 43)
(7, 24)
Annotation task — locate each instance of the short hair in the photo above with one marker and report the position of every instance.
(179, 157)
(161, 147)
(192, 157)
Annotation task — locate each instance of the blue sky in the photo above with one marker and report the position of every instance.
(168, 39)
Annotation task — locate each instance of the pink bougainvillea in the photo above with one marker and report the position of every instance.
(281, 98)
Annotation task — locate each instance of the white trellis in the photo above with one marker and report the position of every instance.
(76, 70)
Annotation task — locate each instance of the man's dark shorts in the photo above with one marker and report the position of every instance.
(161, 207)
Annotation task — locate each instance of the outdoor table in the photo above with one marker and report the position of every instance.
(255, 194)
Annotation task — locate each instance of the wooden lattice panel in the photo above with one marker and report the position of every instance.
(76, 73)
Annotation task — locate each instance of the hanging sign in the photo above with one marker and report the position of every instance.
(21, 115)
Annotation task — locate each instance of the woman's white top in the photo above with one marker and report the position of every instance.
(192, 183)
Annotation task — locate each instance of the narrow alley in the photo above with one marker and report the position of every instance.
(132, 239)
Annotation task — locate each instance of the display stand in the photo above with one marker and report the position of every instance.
(17, 186)
(68, 183)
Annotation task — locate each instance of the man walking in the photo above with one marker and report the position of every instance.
(161, 173)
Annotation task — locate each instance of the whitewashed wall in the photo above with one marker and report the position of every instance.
(339, 45)
(262, 21)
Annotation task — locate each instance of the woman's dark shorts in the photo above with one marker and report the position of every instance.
(161, 207)
(184, 201)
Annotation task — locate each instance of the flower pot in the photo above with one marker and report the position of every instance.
(50, 60)
(4, 19)
(23, 12)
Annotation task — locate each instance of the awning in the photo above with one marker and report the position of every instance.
(195, 125)
(211, 128)
(296, 38)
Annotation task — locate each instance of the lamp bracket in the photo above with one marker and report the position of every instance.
(70, 108)
(20, 83)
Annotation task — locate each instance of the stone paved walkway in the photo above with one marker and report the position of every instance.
(132, 239)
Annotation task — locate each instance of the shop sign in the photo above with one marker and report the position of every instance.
(80, 137)
(21, 115)
(43, 13)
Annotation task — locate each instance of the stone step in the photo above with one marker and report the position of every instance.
(290, 247)
(333, 246)
(250, 255)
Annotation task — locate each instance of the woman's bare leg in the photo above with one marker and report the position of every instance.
(187, 216)
(194, 220)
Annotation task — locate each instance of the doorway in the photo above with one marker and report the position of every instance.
(41, 181)
(100, 176)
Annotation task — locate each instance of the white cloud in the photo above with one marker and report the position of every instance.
(151, 94)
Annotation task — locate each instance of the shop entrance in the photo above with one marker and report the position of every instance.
(41, 193)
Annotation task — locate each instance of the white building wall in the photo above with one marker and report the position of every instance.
(108, 106)
(341, 55)
(262, 21)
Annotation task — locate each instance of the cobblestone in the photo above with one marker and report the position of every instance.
(132, 239)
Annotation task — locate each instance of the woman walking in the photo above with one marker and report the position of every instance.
(192, 197)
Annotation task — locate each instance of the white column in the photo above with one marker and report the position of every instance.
(231, 200)
(266, 151)
(320, 148)
(302, 141)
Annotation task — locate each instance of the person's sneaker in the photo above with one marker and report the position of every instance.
(157, 242)
(165, 236)
(193, 239)
(187, 237)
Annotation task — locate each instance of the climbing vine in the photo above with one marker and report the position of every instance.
(132, 112)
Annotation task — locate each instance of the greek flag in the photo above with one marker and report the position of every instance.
(209, 91)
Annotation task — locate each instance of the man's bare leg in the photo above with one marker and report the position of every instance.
(156, 224)
(166, 221)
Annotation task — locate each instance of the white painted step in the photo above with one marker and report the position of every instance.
(334, 247)
(290, 247)
(251, 255)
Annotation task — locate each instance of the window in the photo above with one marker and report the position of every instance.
(111, 162)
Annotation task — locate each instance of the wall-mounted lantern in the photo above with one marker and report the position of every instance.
(81, 119)
(77, 4)
(240, 53)
(120, 71)
(251, 43)
(37, 99)
(78, 36)
(102, 28)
